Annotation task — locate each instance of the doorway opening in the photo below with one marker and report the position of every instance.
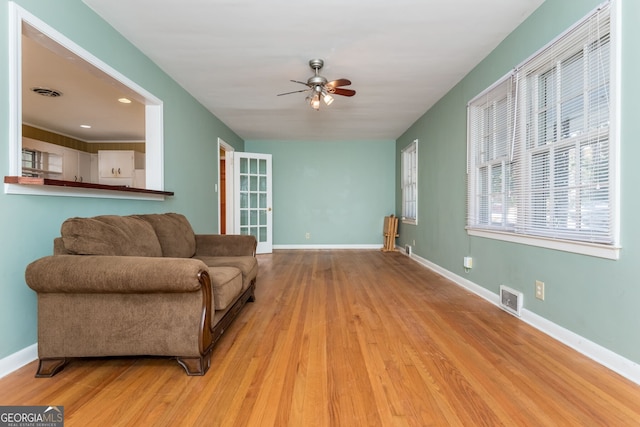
(225, 188)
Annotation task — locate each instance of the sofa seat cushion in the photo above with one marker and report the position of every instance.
(110, 235)
(247, 264)
(227, 285)
(175, 234)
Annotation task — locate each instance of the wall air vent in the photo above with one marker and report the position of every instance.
(45, 91)
(510, 300)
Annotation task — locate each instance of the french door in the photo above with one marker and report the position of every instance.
(253, 213)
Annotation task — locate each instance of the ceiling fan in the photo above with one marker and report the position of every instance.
(321, 88)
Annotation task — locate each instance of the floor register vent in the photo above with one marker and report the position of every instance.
(510, 300)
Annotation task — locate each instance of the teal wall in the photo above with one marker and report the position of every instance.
(28, 224)
(339, 192)
(593, 297)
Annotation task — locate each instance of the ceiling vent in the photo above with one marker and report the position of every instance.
(45, 91)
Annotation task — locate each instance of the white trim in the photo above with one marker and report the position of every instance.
(412, 147)
(615, 80)
(607, 358)
(45, 190)
(228, 149)
(154, 145)
(584, 248)
(329, 246)
(15, 84)
(154, 116)
(17, 360)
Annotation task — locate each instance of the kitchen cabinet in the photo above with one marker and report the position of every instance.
(118, 167)
(76, 165)
(84, 166)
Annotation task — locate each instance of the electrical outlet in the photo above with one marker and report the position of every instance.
(307, 236)
(540, 290)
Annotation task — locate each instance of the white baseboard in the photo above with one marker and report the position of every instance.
(311, 247)
(619, 364)
(17, 360)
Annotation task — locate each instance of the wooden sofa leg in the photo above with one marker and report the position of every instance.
(195, 365)
(49, 367)
(252, 296)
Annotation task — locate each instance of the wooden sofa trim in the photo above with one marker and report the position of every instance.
(197, 366)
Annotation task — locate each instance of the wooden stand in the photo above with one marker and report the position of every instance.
(390, 232)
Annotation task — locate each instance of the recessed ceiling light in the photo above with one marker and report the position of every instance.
(85, 126)
(125, 100)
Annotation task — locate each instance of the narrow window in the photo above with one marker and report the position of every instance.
(410, 183)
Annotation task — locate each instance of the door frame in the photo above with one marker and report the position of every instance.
(229, 186)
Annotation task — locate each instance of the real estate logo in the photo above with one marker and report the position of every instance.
(31, 416)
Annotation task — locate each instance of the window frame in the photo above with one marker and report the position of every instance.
(511, 232)
(154, 120)
(409, 183)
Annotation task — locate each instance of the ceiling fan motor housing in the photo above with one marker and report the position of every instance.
(316, 80)
(316, 64)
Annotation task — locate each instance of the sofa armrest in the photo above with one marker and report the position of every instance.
(115, 274)
(225, 245)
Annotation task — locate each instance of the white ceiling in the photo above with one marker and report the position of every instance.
(234, 56)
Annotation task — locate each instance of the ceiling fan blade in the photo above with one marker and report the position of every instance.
(302, 83)
(339, 82)
(343, 92)
(295, 91)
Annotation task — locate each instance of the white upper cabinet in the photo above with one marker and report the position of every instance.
(117, 167)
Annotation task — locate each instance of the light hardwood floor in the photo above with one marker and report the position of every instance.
(349, 338)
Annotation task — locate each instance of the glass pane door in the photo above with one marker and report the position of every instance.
(254, 198)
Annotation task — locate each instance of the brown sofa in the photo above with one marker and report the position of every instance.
(139, 285)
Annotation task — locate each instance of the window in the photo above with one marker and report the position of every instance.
(541, 148)
(410, 183)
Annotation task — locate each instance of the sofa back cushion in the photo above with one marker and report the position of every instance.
(110, 235)
(175, 234)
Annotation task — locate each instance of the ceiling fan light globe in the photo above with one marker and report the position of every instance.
(315, 102)
(328, 99)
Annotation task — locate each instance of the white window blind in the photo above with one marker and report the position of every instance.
(540, 153)
(490, 203)
(410, 183)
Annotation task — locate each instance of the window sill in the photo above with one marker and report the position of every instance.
(55, 187)
(583, 248)
(409, 221)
